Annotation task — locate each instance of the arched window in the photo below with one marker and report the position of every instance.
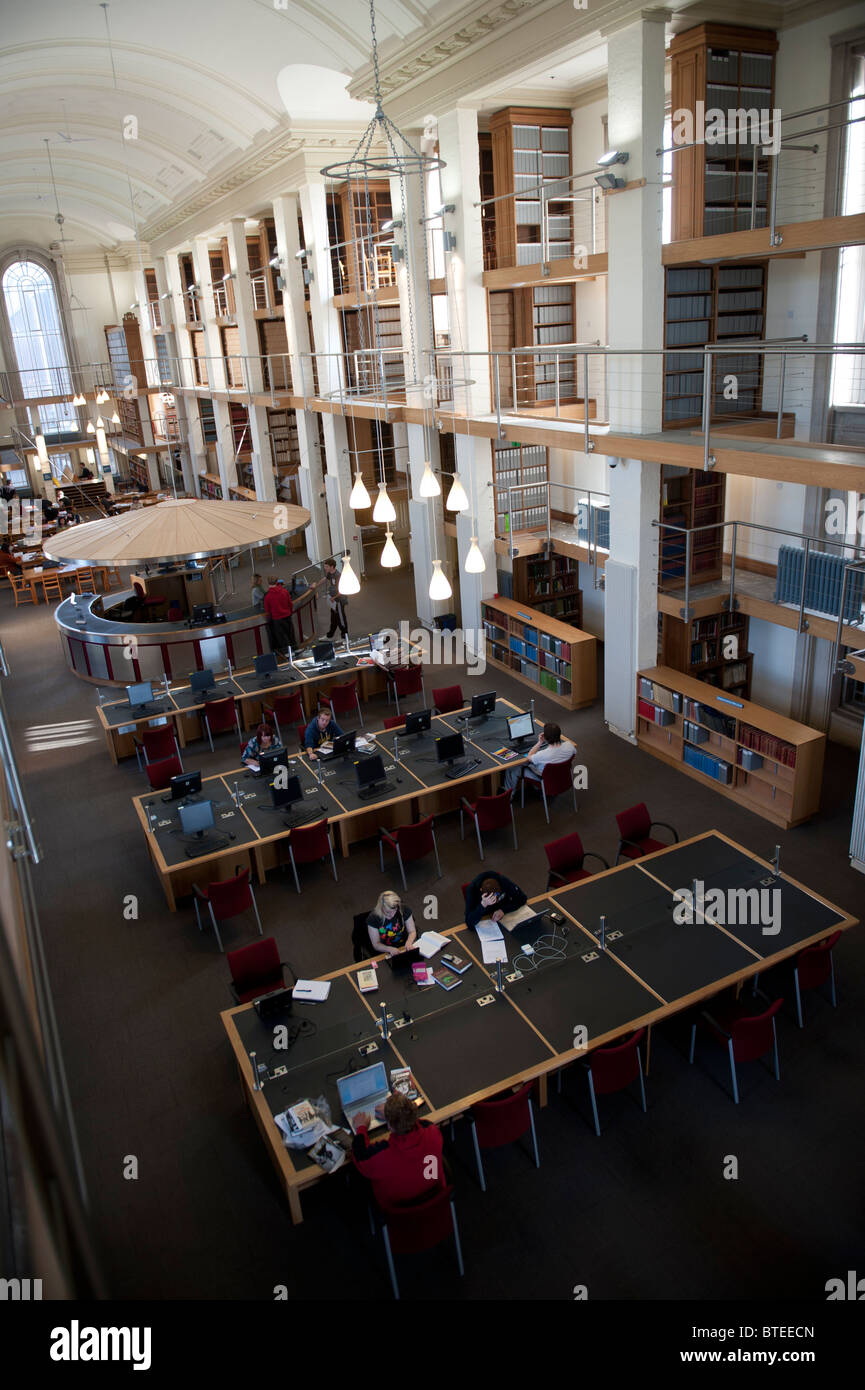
(33, 315)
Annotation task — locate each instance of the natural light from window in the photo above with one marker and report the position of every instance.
(37, 336)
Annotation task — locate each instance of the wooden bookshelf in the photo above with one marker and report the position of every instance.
(551, 584)
(210, 485)
(558, 660)
(713, 305)
(127, 369)
(531, 146)
(767, 763)
(514, 464)
(690, 498)
(697, 649)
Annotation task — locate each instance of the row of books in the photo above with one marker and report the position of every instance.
(710, 766)
(655, 714)
(527, 633)
(660, 695)
(523, 649)
(558, 668)
(556, 585)
(776, 749)
(703, 651)
(557, 684)
(555, 646)
(723, 724)
(734, 674)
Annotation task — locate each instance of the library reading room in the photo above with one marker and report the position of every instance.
(432, 681)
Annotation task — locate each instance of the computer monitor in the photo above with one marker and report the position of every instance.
(369, 771)
(185, 784)
(204, 613)
(196, 818)
(418, 721)
(482, 705)
(343, 744)
(265, 665)
(377, 641)
(273, 758)
(287, 795)
(202, 680)
(140, 694)
(450, 747)
(322, 651)
(520, 727)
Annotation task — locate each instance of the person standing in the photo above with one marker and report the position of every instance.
(279, 608)
(336, 601)
(257, 591)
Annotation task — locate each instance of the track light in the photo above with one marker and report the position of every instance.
(439, 585)
(475, 563)
(613, 157)
(457, 501)
(609, 181)
(348, 580)
(390, 556)
(429, 483)
(360, 498)
(384, 509)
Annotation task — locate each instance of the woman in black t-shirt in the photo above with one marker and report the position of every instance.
(390, 925)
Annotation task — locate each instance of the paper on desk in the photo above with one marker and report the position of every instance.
(519, 914)
(253, 766)
(492, 942)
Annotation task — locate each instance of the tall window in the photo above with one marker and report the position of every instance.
(37, 336)
(848, 376)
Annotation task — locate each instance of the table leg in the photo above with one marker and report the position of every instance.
(294, 1206)
(648, 1049)
(542, 1090)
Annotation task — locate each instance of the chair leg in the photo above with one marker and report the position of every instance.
(546, 803)
(371, 1214)
(387, 1249)
(381, 855)
(197, 913)
(215, 926)
(255, 910)
(436, 853)
(775, 1051)
(359, 710)
(642, 1080)
(462, 827)
(534, 1135)
(480, 841)
(481, 1178)
(733, 1071)
(294, 868)
(798, 998)
(333, 864)
(594, 1103)
(401, 869)
(832, 993)
(209, 735)
(693, 1043)
(523, 792)
(513, 828)
(459, 1248)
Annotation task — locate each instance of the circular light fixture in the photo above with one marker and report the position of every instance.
(390, 556)
(384, 509)
(457, 501)
(348, 580)
(429, 483)
(439, 585)
(360, 498)
(475, 563)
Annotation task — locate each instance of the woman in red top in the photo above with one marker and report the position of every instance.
(279, 608)
(408, 1164)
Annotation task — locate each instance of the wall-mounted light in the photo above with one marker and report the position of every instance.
(274, 262)
(299, 255)
(391, 224)
(230, 276)
(613, 157)
(609, 181)
(167, 295)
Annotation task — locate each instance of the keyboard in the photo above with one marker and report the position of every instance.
(304, 818)
(368, 793)
(460, 769)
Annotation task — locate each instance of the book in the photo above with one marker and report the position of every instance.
(313, 990)
(506, 754)
(430, 942)
(422, 974)
(331, 1150)
(446, 978)
(300, 1116)
(402, 1080)
(367, 980)
(458, 963)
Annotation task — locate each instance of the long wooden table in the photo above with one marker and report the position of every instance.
(418, 787)
(462, 1050)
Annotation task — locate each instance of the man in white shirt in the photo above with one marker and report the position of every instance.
(550, 748)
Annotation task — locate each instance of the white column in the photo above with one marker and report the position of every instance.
(213, 338)
(475, 464)
(244, 308)
(467, 297)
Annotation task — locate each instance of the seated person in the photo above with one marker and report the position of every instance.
(50, 510)
(322, 728)
(86, 474)
(491, 895)
(551, 747)
(7, 559)
(7, 491)
(262, 741)
(391, 925)
(399, 1167)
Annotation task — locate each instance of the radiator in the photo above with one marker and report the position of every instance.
(620, 646)
(824, 579)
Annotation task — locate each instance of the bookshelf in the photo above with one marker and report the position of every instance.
(551, 585)
(210, 485)
(138, 471)
(698, 649)
(488, 189)
(514, 464)
(768, 764)
(125, 354)
(690, 498)
(531, 146)
(557, 659)
(712, 305)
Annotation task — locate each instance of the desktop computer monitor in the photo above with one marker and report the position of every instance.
(204, 613)
(273, 758)
(520, 727)
(286, 796)
(418, 721)
(185, 784)
(196, 818)
(369, 771)
(449, 748)
(482, 705)
(322, 651)
(202, 680)
(265, 665)
(343, 744)
(140, 694)
(377, 641)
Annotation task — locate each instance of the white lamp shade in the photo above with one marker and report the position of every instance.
(360, 498)
(384, 509)
(390, 556)
(348, 580)
(115, 419)
(456, 499)
(100, 423)
(429, 483)
(91, 428)
(475, 563)
(439, 585)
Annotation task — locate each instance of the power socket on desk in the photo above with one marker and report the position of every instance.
(368, 1048)
(485, 999)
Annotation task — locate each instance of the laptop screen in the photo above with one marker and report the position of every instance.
(370, 1081)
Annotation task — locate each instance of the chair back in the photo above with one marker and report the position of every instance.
(161, 770)
(464, 888)
(447, 698)
(51, 586)
(753, 1036)
(408, 680)
(360, 942)
(83, 577)
(138, 587)
(229, 896)
(20, 587)
(616, 1066)
(635, 823)
(556, 777)
(566, 854)
(503, 1119)
(300, 730)
(287, 709)
(255, 969)
(220, 715)
(394, 721)
(158, 743)
(493, 811)
(414, 840)
(814, 964)
(310, 842)
(420, 1225)
(342, 698)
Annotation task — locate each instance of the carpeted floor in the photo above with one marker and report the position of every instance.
(644, 1212)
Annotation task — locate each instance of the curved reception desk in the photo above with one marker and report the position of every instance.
(106, 649)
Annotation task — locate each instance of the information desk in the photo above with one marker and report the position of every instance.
(417, 787)
(462, 1050)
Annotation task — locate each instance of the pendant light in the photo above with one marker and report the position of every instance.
(41, 449)
(91, 428)
(457, 501)
(115, 419)
(429, 483)
(384, 509)
(360, 498)
(475, 563)
(390, 556)
(348, 580)
(78, 399)
(439, 585)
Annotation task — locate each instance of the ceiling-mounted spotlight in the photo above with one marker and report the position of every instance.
(609, 181)
(613, 157)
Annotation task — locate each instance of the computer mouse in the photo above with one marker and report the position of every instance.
(231, 837)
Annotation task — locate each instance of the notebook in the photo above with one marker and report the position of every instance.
(314, 991)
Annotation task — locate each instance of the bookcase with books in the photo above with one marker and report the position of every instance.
(713, 648)
(524, 468)
(561, 661)
(710, 306)
(771, 765)
(550, 583)
(690, 498)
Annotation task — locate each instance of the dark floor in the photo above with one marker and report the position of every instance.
(644, 1212)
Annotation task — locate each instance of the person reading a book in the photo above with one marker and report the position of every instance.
(551, 747)
(491, 895)
(322, 728)
(408, 1164)
(262, 741)
(391, 925)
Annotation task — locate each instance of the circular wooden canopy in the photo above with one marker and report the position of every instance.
(181, 530)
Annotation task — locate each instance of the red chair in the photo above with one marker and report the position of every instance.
(489, 813)
(160, 773)
(255, 970)
(410, 842)
(555, 778)
(394, 721)
(745, 1036)
(448, 698)
(406, 680)
(420, 1226)
(147, 600)
(157, 743)
(226, 898)
(812, 968)
(309, 843)
(343, 699)
(220, 717)
(613, 1068)
(300, 730)
(635, 829)
(565, 858)
(287, 709)
(502, 1120)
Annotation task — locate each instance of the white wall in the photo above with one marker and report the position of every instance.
(769, 503)
(93, 290)
(774, 649)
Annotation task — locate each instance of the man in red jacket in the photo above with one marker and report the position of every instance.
(279, 608)
(408, 1164)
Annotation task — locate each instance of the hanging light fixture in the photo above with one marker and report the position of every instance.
(384, 509)
(101, 396)
(115, 419)
(429, 483)
(439, 585)
(475, 563)
(457, 501)
(390, 556)
(348, 580)
(78, 399)
(41, 449)
(360, 498)
(102, 444)
(91, 428)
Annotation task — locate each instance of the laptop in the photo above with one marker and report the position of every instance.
(364, 1092)
(403, 961)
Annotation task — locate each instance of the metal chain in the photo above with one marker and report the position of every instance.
(375, 54)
